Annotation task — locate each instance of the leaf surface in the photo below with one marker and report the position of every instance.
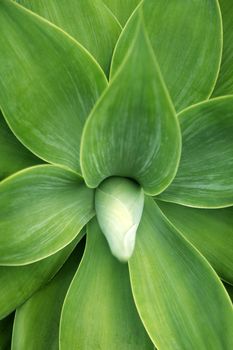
(49, 83)
(205, 174)
(186, 37)
(133, 131)
(179, 297)
(42, 209)
(98, 311)
(209, 230)
(36, 325)
(224, 84)
(87, 21)
(19, 283)
(13, 155)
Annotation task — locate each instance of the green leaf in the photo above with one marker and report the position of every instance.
(49, 84)
(133, 131)
(224, 84)
(13, 155)
(180, 299)
(18, 283)
(186, 37)
(122, 9)
(88, 21)
(229, 289)
(42, 209)
(209, 230)
(98, 311)
(205, 175)
(36, 325)
(5, 332)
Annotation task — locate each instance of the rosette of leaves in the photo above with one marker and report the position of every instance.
(117, 124)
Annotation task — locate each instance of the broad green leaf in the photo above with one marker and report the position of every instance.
(88, 21)
(36, 325)
(13, 155)
(209, 230)
(224, 84)
(179, 297)
(133, 131)
(99, 312)
(42, 209)
(122, 9)
(5, 332)
(205, 175)
(186, 37)
(18, 283)
(49, 83)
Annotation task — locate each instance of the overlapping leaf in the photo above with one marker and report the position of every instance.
(205, 174)
(180, 299)
(133, 130)
(13, 155)
(49, 84)
(88, 21)
(36, 325)
(99, 311)
(210, 231)
(186, 37)
(42, 209)
(224, 84)
(18, 283)
(122, 8)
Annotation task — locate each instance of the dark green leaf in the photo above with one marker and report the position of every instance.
(5, 332)
(49, 84)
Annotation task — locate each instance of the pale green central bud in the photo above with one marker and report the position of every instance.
(119, 204)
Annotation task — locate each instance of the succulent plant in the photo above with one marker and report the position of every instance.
(116, 167)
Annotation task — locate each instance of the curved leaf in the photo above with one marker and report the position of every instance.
(209, 230)
(18, 283)
(186, 37)
(180, 299)
(224, 85)
(98, 311)
(42, 209)
(133, 131)
(49, 84)
(205, 174)
(36, 325)
(88, 21)
(122, 9)
(13, 155)
(5, 332)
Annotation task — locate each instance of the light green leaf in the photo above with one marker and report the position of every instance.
(88, 21)
(98, 311)
(13, 155)
(186, 37)
(180, 299)
(205, 175)
(209, 230)
(18, 283)
(224, 84)
(42, 209)
(36, 325)
(49, 84)
(122, 9)
(133, 131)
(5, 332)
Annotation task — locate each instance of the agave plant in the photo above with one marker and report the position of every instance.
(116, 125)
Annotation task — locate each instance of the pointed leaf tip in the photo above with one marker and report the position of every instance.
(119, 204)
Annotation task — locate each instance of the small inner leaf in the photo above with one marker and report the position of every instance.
(119, 205)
